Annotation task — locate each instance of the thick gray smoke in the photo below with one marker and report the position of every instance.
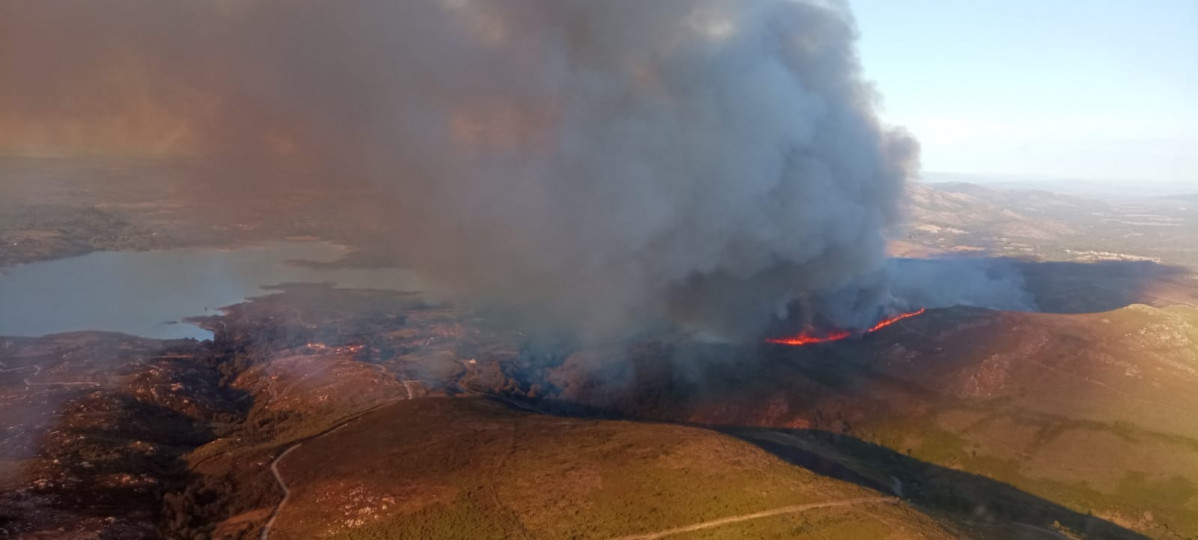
(607, 162)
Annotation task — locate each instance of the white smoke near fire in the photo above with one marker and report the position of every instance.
(992, 283)
(715, 163)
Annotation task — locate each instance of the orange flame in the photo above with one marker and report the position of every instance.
(808, 339)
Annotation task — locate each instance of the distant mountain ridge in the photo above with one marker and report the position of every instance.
(1062, 185)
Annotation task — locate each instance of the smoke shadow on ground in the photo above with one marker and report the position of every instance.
(968, 499)
(944, 358)
(929, 487)
(1090, 287)
(1015, 284)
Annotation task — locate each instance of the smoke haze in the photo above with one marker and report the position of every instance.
(716, 163)
(963, 281)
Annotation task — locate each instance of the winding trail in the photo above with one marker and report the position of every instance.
(274, 469)
(758, 515)
(274, 465)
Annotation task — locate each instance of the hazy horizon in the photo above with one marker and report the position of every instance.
(1062, 185)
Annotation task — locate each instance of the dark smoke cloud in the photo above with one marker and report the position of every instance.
(712, 162)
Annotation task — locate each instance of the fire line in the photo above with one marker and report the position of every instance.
(808, 339)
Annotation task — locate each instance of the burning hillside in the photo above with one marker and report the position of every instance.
(808, 337)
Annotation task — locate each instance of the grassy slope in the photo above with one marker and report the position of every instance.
(469, 468)
(1105, 430)
(1090, 411)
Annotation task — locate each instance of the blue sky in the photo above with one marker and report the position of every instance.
(1096, 90)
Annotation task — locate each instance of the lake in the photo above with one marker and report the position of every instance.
(148, 293)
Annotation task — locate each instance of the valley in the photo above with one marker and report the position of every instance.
(320, 411)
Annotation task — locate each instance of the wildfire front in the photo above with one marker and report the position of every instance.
(809, 338)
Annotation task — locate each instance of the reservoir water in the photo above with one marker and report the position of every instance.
(148, 293)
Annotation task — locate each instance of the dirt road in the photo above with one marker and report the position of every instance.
(274, 465)
(274, 469)
(758, 515)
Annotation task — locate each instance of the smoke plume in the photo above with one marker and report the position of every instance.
(960, 281)
(716, 163)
